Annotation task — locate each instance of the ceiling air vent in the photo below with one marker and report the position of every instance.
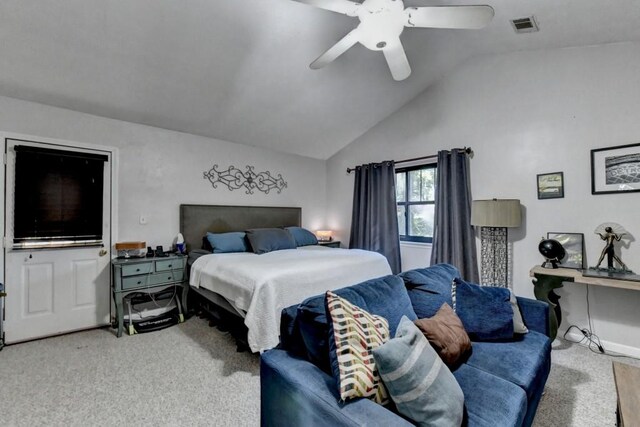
(524, 25)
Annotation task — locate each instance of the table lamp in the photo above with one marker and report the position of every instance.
(324, 235)
(494, 217)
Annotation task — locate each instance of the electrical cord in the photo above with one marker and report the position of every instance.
(591, 340)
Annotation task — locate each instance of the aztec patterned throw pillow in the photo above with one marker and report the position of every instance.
(356, 334)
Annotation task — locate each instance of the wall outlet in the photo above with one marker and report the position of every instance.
(143, 219)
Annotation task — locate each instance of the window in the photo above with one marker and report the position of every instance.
(415, 194)
(58, 195)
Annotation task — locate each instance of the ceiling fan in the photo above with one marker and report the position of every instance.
(382, 22)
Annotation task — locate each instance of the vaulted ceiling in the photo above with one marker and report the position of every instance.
(238, 70)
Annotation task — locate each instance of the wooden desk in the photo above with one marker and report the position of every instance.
(627, 380)
(546, 280)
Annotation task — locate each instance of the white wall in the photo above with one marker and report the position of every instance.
(160, 169)
(527, 113)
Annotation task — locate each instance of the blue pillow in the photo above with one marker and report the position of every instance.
(265, 240)
(302, 236)
(485, 311)
(430, 287)
(222, 243)
(420, 384)
(385, 296)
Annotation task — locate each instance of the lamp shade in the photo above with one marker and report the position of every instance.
(496, 213)
(324, 235)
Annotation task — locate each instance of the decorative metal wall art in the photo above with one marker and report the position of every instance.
(235, 179)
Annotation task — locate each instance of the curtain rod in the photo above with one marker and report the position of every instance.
(466, 150)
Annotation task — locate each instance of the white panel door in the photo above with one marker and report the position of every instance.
(53, 291)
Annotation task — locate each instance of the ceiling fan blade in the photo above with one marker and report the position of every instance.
(336, 50)
(346, 7)
(462, 17)
(397, 60)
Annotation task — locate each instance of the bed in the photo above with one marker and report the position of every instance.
(254, 289)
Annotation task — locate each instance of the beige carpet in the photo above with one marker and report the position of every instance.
(190, 374)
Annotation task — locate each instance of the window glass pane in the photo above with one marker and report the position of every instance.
(401, 181)
(421, 185)
(421, 220)
(402, 220)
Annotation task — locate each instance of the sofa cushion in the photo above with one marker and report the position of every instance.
(430, 287)
(419, 383)
(490, 401)
(518, 323)
(525, 361)
(446, 335)
(356, 333)
(384, 296)
(314, 330)
(485, 312)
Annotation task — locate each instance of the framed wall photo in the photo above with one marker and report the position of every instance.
(573, 244)
(615, 169)
(551, 185)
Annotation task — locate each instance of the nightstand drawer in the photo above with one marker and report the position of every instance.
(142, 268)
(135, 282)
(170, 264)
(152, 279)
(167, 276)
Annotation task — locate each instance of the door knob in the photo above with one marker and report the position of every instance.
(102, 252)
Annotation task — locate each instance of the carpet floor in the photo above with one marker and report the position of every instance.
(191, 374)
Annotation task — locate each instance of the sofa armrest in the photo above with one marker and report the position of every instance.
(535, 314)
(295, 392)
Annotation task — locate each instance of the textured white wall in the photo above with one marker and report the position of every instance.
(160, 169)
(528, 113)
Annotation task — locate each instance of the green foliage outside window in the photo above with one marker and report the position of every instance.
(415, 194)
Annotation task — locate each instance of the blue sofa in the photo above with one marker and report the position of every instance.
(502, 381)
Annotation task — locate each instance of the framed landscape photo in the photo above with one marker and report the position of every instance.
(573, 244)
(551, 185)
(615, 169)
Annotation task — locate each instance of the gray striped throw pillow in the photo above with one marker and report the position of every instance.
(420, 384)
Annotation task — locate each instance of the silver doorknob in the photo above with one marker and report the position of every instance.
(102, 252)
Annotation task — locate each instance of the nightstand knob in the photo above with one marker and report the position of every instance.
(139, 282)
(170, 266)
(169, 278)
(137, 269)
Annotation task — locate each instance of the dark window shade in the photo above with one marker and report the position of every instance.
(58, 195)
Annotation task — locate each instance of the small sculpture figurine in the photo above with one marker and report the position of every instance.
(612, 233)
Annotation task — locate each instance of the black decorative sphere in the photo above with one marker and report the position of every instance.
(552, 250)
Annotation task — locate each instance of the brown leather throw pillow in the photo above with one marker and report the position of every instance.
(446, 335)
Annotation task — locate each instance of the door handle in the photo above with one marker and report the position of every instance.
(102, 252)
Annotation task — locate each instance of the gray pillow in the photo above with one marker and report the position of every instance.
(265, 240)
(518, 324)
(420, 384)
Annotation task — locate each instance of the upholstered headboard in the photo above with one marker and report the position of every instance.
(196, 220)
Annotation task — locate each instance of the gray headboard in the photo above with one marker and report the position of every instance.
(196, 220)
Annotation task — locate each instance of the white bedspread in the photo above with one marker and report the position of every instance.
(262, 285)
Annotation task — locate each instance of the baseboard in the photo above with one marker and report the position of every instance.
(609, 347)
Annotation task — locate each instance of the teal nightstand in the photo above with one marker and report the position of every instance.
(147, 275)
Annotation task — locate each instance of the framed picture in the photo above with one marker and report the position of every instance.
(551, 185)
(615, 169)
(573, 244)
